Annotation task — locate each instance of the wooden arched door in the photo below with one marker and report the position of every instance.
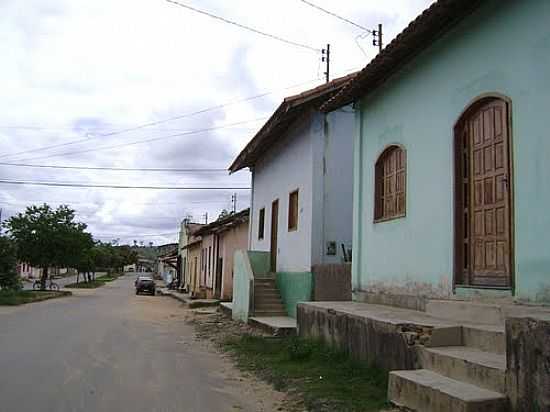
(483, 221)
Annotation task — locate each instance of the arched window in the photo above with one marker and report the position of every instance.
(390, 184)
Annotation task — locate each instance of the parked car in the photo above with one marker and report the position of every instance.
(145, 284)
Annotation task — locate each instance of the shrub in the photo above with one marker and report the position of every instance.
(9, 279)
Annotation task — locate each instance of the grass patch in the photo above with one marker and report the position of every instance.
(12, 298)
(108, 278)
(98, 282)
(328, 379)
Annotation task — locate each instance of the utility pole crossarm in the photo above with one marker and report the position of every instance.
(377, 40)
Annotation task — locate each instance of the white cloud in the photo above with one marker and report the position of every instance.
(74, 68)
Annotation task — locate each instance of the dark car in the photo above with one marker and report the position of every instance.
(145, 284)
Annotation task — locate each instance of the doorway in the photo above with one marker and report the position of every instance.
(274, 230)
(483, 195)
(219, 278)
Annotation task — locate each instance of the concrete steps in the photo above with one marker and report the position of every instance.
(485, 338)
(470, 365)
(267, 299)
(427, 391)
(463, 376)
(463, 367)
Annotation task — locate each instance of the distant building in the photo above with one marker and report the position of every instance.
(166, 262)
(220, 240)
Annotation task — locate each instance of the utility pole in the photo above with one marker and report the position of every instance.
(377, 40)
(234, 202)
(206, 218)
(326, 58)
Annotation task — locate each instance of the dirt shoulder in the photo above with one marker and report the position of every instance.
(282, 365)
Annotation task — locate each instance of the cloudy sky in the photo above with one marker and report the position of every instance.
(117, 84)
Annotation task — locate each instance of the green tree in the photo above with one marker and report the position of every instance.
(128, 255)
(9, 279)
(46, 237)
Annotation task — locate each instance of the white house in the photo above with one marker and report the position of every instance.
(302, 187)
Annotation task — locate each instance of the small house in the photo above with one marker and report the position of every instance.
(220, 240)
(302, 183)
(190, 255)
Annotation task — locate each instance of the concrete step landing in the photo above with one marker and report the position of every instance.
(426, 391)
(276, 325)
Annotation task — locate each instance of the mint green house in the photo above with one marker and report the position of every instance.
(452, 155)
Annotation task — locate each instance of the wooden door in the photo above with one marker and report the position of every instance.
(274, 230)
(195, 272)
(219, 278)
(486, 196)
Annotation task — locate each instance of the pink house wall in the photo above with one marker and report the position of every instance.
(231, 240)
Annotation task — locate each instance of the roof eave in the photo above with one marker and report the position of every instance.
(419, 35)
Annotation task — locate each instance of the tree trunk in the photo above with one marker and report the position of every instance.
(77, 276)
(44, 278)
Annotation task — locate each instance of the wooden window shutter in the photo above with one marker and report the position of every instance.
(261, 223)
(293, 210)
(390, 184)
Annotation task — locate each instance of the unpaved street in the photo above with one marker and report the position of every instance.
(109, 350)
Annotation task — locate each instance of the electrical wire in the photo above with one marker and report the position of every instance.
(157, 122)
(117, 169)
(138, 236)
(105, 186)
(334, 15)
(25, 202)
(179, 117)
(154, 139)
(242, 26)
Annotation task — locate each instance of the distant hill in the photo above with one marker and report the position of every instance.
(146, 252)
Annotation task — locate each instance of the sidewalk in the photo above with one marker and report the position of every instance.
(186, 299)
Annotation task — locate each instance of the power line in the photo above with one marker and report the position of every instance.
(138, 236)
(69, 184)
(123, 169)
(80, 130)
(157, 122)
(182, 203)
(334, 15)
(179, 117)
(230, 103)
(154, 139)
(242, 26)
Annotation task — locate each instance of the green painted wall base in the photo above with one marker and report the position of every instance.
(294, 287)
(259, 261)
(482, 293)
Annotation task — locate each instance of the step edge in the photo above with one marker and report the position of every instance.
(440, 351)
(484, 394)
